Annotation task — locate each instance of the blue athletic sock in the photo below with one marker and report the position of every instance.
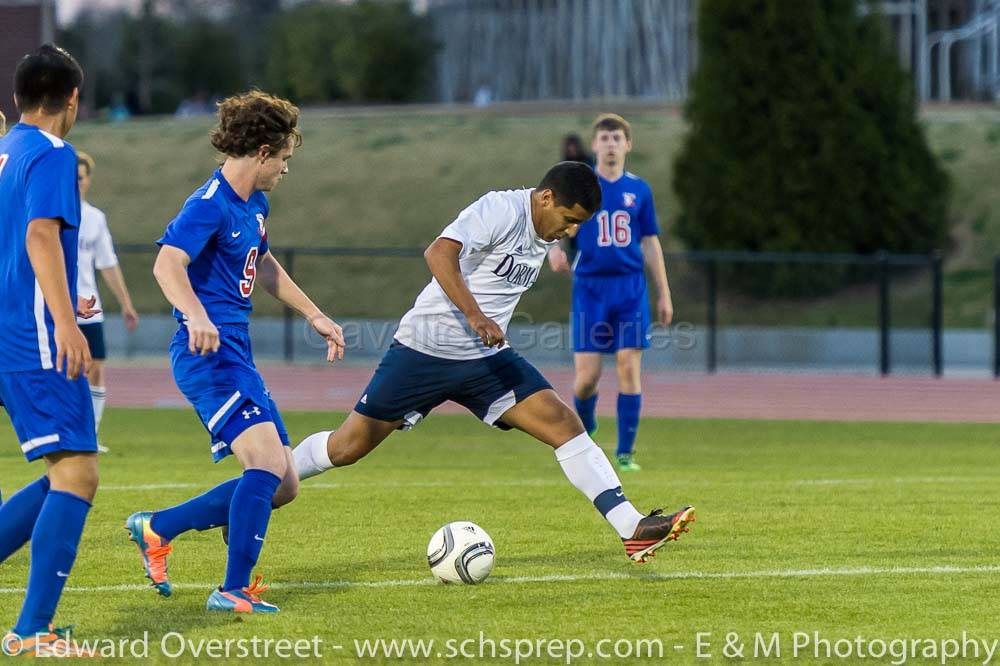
(586, 408)
(53, 549)
(249, 514)
(18, 516)
(629, 406)
(208, 510)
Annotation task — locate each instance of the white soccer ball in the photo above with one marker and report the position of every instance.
(461, 552)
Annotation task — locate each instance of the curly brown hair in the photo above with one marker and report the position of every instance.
(253, 119)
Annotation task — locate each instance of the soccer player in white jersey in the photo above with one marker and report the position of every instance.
(452, 346)
(97, 253)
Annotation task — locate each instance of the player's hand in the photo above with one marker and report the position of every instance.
(488, 330)
(558, 261)
(334, 335)
(665, 310)
(203, 336)
(131, 318)
(85, 307)
(72, 348)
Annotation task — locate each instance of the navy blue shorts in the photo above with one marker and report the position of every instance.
(610, 313)
(50, 413)
(95, 338)
(225, 388)
(408, 384)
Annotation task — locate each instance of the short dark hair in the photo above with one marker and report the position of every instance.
(45, 80)
(573, 183)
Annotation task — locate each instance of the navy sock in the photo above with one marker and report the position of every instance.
(208, 510)
(53, 549)
(249, 514)
(18, 515)
(586, 408)
(629, 406)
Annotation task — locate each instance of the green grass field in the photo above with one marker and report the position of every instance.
(887, 531)
(395, 178)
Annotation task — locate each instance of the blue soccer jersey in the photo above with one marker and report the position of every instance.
(224, 236)
(609, 244)
(37, 180)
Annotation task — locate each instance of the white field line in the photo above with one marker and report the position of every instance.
(309, 485)
(573, 578)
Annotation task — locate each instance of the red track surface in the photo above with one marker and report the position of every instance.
(679, 395)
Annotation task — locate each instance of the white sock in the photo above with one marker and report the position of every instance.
(587, 468)
(311, 457)
(98, 395)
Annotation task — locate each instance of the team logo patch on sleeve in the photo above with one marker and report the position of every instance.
(260, 225)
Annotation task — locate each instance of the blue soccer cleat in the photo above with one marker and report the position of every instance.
(152, 548)
(241, 601)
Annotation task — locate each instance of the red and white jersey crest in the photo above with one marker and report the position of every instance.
(260, 225)
(629, 199)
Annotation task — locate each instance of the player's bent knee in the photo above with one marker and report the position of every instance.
(74, 473)
(584, 387)
(259, 447)
(273, 461)
(563, 420)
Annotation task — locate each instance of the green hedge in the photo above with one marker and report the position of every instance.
(804, 138)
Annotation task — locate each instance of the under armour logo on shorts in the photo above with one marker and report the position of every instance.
(247, 413)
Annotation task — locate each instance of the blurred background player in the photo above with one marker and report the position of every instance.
(44, 358)
(97, 251)
(451, 345)
(573, 150)
(610, 313)
(210, 258)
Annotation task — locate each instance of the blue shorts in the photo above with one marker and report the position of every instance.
(610, 312)
(408, 384)
(225, 388)
(50, 413)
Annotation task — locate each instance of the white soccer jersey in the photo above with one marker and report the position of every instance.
(96, 251)
(500, 259)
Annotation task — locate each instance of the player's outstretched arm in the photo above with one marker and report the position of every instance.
(49, 263)
(442, 259)
(170, 271)
(280, 284)
(652, 253)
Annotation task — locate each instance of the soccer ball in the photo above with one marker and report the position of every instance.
(461, 552)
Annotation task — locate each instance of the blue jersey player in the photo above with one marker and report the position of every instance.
(44, 356)
(211, 256)
(610, 313)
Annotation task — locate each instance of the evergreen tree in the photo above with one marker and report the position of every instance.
(804, 138)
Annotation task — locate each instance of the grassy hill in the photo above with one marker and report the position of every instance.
(395, 178)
